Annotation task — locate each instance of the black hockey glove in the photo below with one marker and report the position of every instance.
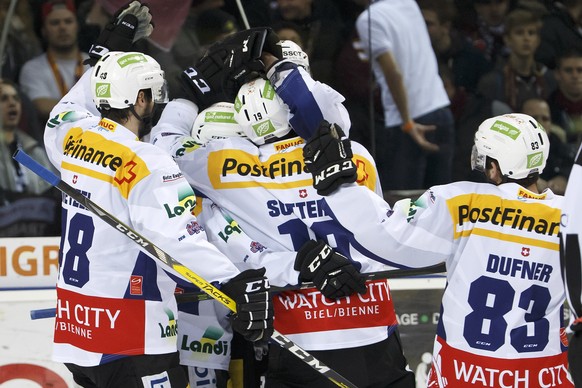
(328, 157)
(202, 83)
(129, 24)
(333, 274)
(227, 65)
(254, 316)
(242, 56)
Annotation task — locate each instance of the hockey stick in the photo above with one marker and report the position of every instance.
(243, 14)
(158, 254)
(389, 274)
(200, 296)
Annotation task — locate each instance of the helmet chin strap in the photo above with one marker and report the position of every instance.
(145, 122)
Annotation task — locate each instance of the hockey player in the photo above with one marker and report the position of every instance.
(116, 312)
(261, 182)
(572, 264)
(501, 321)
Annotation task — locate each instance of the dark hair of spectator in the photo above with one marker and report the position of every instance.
(442, 8)
(520, 18)
(569, 54)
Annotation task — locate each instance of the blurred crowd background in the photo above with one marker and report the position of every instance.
(489, 56)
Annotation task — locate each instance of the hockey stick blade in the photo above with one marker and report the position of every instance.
(158, 254)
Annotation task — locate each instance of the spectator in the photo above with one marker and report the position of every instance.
(353, 79)
(288, 31)
(22, 43)
(48, 77)
(322, 32)
(451, 48)
(520, 77)
(486, 33)
(187, 48)
(28, 205)
(205, 24)
(469, 110)
(13, 177)
(213, 25)
(561, 156)
(561, 31)
(566, 101)
(413, 97)
(256, 11)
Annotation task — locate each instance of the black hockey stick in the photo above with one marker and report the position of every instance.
(157, 253)
(389, 274)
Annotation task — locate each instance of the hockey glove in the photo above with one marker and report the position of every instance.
(254, 316)
(129, 24)
(242, 52)
(202, 83)
(328, 157)
(333, 274)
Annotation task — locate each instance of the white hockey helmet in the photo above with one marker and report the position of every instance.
(295, 54)
(216, 122)
(118, 77)
(517, 141)
(260, 112)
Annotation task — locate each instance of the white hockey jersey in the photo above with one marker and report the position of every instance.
(501, 322)
(114, 300)
(266, 190)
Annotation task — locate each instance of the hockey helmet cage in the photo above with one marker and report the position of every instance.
(517, 141)
(118, 77)
(260, 112)
(216, 122)
(293, 52)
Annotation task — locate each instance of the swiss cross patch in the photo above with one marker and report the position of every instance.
(525, 251)
(302, 193)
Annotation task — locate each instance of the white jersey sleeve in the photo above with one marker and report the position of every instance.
(399, 243)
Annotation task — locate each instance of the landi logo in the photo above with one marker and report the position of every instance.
(505, 129)
(264, 128)
(186, 203)
(535, 160)
(103, 90)
(171, 328)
